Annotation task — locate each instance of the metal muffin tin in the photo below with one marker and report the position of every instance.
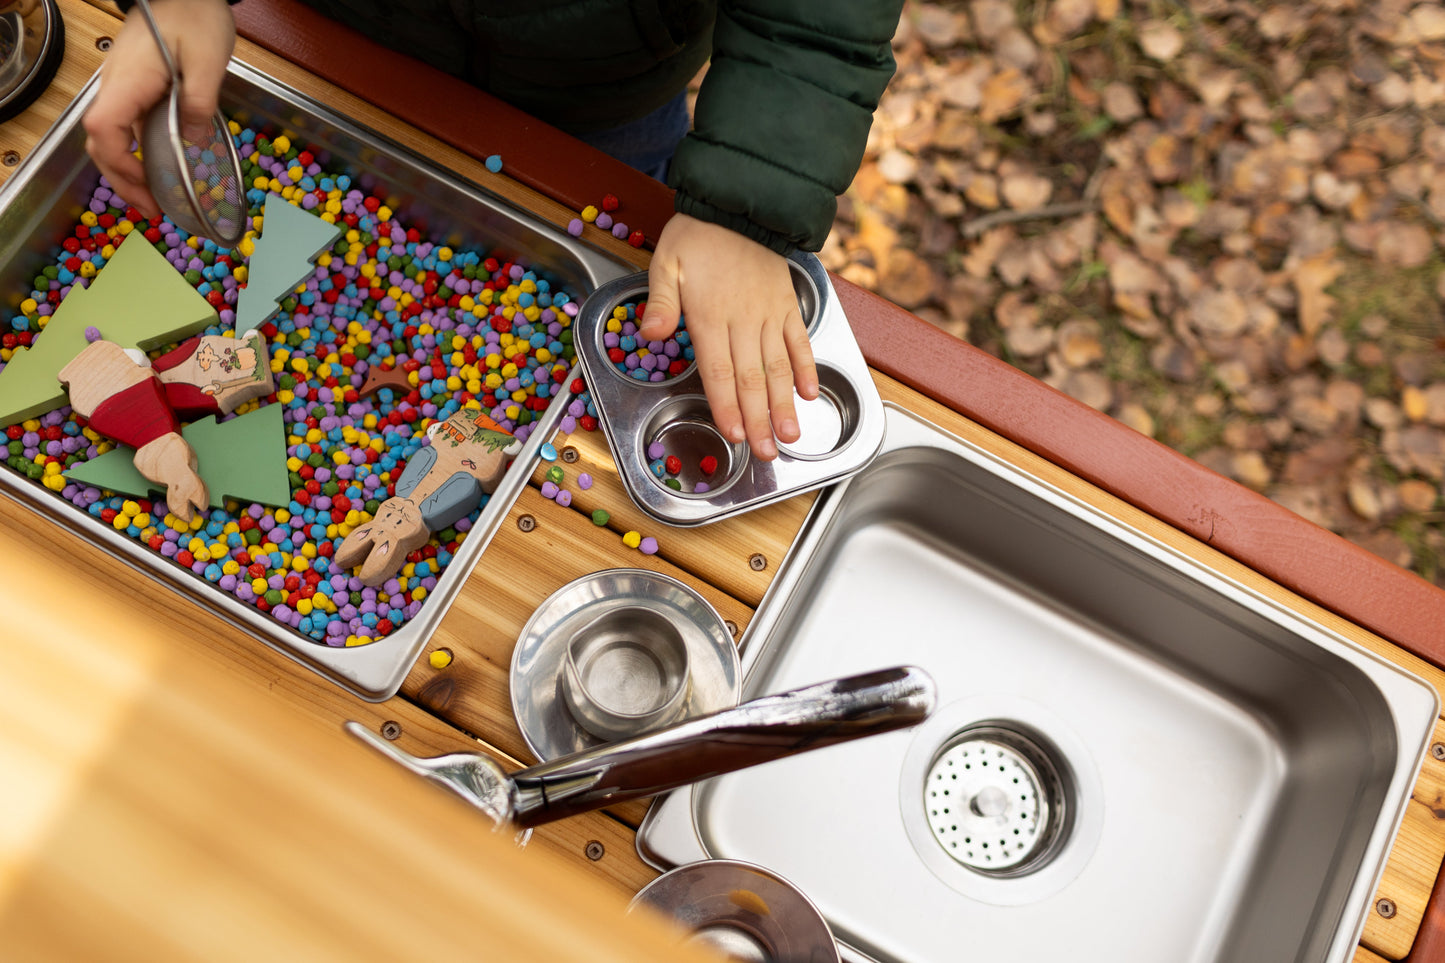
(841, 430)
(40, 203)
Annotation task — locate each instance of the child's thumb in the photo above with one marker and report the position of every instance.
(664, 301)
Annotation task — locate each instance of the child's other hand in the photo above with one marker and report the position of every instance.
(201, 35)
(742, 314)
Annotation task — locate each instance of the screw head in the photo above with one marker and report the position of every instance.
(570, 454)
(1438, 750)
(526, 523)
(731, 626)
(10, 159)
(758, 562)
(595, 850)
(391, 730)
(103, 44)
(1385, 907)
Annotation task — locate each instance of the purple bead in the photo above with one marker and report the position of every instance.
(549, 490)
(655, 450)
(584, 481)
(648, 546)
(604, 220)
(564, 498)
(574, 227)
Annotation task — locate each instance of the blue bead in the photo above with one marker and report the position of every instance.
(494, 163)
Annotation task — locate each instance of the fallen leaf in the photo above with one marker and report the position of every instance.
(907, 279)
(1311, 277)
(1026, 191)
(1003, 94)
(1122, 103)
(1404, 245)
(1160, 40)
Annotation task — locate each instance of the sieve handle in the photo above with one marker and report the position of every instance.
(756, 732)
(150, 17)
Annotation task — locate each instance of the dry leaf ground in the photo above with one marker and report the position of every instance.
(1218, 221)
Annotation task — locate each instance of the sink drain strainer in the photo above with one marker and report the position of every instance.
(996, 801)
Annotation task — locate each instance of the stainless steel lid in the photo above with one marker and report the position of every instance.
(32, 42)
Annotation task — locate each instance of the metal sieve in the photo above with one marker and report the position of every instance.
(197, 183)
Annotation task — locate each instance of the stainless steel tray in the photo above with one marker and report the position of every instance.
(1227, 775)
(46, 196)
(842, 429)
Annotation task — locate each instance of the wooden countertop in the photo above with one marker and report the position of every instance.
(1021, 420)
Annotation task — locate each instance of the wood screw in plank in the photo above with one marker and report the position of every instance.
(1438, 750)
(391, 730)
(570, 454)
(526, 523)
(103, 44)
(11, 159)
(595, 850)
(732, 627)
(758, 562)
(1385, 907)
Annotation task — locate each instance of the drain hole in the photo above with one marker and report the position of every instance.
(1036, 808)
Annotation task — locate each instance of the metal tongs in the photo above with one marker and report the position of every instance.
(755, 732)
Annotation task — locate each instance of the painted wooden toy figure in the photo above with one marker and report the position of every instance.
(442, 483)
(123, 399)
(139, 402)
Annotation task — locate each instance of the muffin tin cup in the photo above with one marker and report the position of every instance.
(842, 429)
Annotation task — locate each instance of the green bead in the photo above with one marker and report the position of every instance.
(316, 459)
(253, 536)
(372, 506)
(674, 484)
(273, 596)
(555, 474)
(600, 518)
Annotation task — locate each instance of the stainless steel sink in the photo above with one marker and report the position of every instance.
(1134, 758)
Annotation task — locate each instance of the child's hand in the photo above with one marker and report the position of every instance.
(201, 35)
(742, 314)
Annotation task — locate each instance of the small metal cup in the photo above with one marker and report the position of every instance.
(626, 672)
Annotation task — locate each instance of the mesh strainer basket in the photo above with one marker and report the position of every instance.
(197, 183)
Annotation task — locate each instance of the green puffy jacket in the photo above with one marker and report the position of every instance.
(781, 120)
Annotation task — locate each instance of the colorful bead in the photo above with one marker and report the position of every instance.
(632, 539)
(600, 518)
(494, 163)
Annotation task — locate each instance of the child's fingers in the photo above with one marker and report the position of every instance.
(715, 366)
(779, 372)
(664, 300)
(752, 379)
(800, 354)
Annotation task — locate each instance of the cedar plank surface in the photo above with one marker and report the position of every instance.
(518, 571)
(719, 553)
(164, 806)
(1414, 861)
(62, 559)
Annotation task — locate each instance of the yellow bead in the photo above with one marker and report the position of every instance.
(440, 658)
(589, 213)
(632, 539)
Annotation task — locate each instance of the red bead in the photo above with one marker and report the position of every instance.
(708, 465)
(636, 238)
(616, 355)
(673, 464)
(184, 557)
(578, 386)
(588, 423)
(610, 202)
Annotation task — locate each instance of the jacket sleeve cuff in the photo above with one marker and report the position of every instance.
(685, 203)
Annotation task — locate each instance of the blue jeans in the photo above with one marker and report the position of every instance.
(647, 143)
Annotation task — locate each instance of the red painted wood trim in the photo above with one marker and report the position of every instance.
(474, 122)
